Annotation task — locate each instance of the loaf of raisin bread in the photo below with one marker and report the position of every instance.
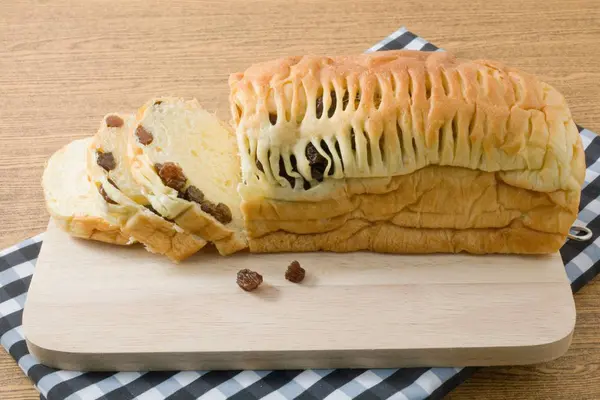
(74, 202)
(108, 168)
(404, 151)
(185, 160)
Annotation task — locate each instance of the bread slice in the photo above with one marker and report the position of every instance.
(186, 161)
(74, 202)
(108, 167)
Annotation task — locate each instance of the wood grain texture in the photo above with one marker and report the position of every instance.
(63, 64)
(123, 308)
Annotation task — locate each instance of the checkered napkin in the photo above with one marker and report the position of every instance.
(581, 259)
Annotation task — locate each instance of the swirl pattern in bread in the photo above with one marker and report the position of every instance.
(407, 148)
(109, 169)
(74, 202)
(185, 159)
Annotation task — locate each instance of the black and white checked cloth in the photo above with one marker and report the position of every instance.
(582, 263)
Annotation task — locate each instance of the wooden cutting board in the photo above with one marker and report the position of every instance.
(93, 306)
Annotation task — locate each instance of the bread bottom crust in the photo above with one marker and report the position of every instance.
(159, 236)
(432, 197)
(435, 209)
(93, 228)
(237, 241)
(384, 237)
(196, 221)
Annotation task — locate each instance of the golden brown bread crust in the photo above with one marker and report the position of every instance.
(93, 228)
(404, 151)
(387, 238)
(413, 109)
(432, 197)
(159, 236)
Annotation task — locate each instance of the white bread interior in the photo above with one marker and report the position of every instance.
(139, 222)
(184, 133)
(74, 201)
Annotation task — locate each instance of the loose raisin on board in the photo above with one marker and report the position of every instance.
(106, 160)
(144, 137)
(114, 121)
(248, 280)
(295, 273)
(172, 175)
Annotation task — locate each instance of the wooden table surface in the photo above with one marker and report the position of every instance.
(64, 64)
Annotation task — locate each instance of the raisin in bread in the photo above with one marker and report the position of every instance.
(74, 202)
(185, 159)
(108, 167)
(404, 151)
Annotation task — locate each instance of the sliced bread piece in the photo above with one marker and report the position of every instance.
(108, 167)
(186, 161)
(74, 202)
